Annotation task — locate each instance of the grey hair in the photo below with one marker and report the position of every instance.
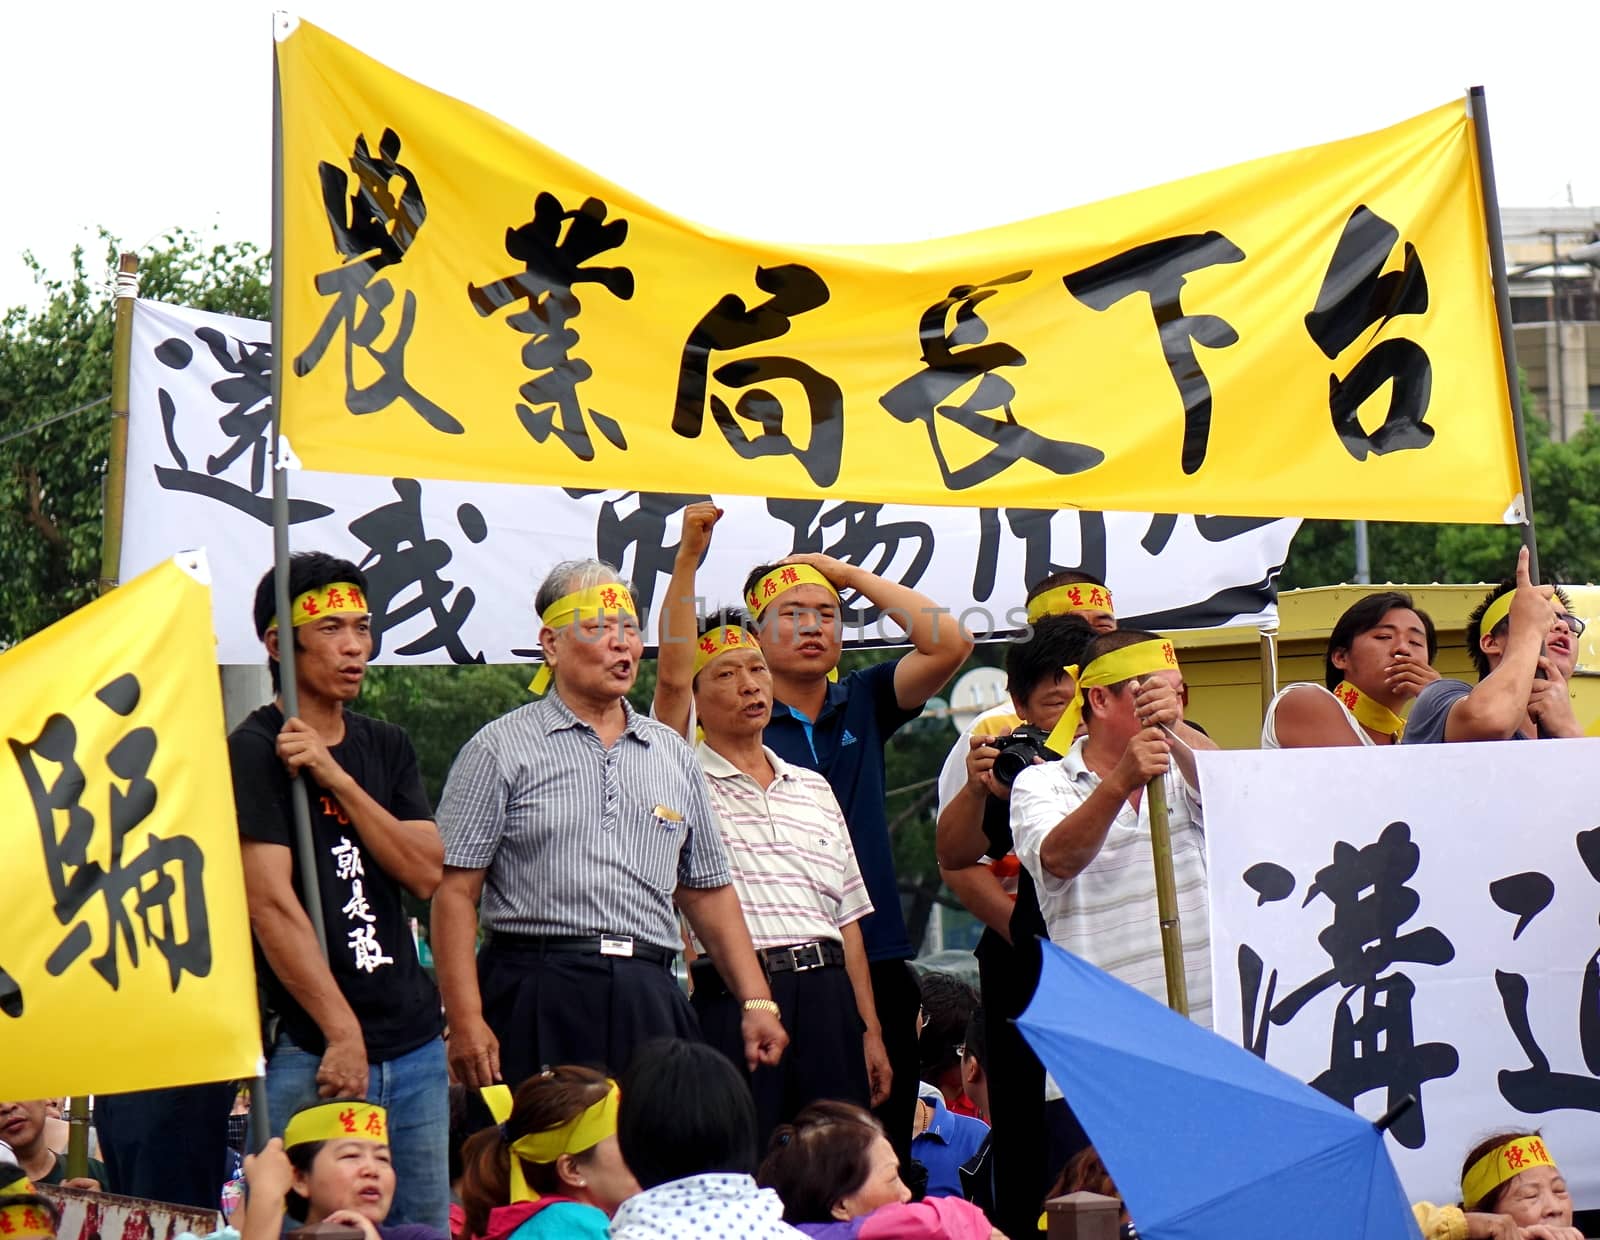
(571, 575)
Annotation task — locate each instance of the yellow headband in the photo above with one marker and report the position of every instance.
(583, 1131)
(340, 1120)
(784, 577)
(340, 597)
(608, 598)
(719, 641)
(1501, 1164)
(19, 1185)
(1076, 596)
(1496, 612)
(25, 1220)
(1140, 659)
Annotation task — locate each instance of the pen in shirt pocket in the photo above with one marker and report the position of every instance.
(668, 818)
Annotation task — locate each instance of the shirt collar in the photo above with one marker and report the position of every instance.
(938, 1122)
(717, 767)
(554, 715)
(832, 696)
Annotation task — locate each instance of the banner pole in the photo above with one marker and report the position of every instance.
(1478, 110)
(305, 842)
(1167, 897)
(114, 490)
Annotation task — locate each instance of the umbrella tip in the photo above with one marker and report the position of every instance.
(1388, 1118)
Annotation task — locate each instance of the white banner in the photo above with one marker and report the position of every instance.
(453, 566)
(1418, 920)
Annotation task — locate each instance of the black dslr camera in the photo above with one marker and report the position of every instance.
(1018, 751)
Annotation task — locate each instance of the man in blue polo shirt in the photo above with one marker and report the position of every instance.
(839, 728)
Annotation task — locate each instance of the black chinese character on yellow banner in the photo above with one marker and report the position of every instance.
(373, 230)
(150, 878)
(553, 247)
(956, 358)
(730, 324)
(1160, 269)
(1356, 296)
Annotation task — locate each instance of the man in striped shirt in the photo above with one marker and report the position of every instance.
(1082, 825)
(578, 823)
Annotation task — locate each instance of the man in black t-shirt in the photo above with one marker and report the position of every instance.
(364, 1022)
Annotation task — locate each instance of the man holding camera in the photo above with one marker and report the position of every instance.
(1030, 1140)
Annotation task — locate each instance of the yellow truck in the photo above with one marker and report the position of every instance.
(1224, 667)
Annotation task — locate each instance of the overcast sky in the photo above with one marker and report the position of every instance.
(828, 120)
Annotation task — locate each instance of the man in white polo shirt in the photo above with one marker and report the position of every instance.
(792, 862)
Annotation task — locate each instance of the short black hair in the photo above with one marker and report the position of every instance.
(308, 570)
(1480, 661)
(947, 1004)
(1055, 642)
(1364, 615)
(976, 1040)
(1105, 643)
(1067, 577)
(685, 1110)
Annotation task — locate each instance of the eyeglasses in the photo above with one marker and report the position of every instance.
(1574, 625)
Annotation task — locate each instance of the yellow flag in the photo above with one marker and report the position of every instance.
(124, 948)
(1310, 334)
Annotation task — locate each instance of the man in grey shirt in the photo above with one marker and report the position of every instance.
(573, 824)
(1523, 640)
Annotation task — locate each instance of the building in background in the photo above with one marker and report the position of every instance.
(1553, 264)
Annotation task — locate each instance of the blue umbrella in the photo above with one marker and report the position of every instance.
(1204, 1140)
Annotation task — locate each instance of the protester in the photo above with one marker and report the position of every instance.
(839, 1179)
(1511, 1189)
(1523, 640)
(13, 1179)
(942, 1140)
(22, 1127)
(687, 1127)
(552, 1168)
(362, 1020)
(1082, 825)
(578, 822)
(1085, 1172)
(947, 1006)
(839, 728)
(168, 1144)
(332, 1165)
(28, 1216)
(1379, 658)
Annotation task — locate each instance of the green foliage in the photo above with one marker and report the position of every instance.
(56, 358)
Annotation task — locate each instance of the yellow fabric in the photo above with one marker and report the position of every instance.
(1496, 612)
(343, 1119)
(784, 577)
(1440, 1222)
(719, 641)
(342, 597)
(1140, 659)
(1369, 712)
(25, 1221)
(582, 1132)
(1022, 365)
(19, 1185)
(611, 598)
(1501, 1164)
(498, 1099)
(143, 978)
(1062, 600)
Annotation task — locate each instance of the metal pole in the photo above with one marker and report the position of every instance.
(1269, 669)
(1167, 897)
(305, 842)
(1363, 556)
(1478, 110)
(114, 490)
(1558, 381)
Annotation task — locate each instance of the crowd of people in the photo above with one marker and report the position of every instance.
(809, 1081)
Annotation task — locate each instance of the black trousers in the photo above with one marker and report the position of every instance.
(898, 998)
(549, 1008)
(824, 1058)
(167, 1144)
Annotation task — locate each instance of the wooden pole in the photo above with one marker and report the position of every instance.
(114, 490)
(1167, 897)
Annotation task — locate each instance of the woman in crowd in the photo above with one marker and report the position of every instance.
(1379, 657)
(839, 1179)
(1511, 1189)
(332, 1165)
(552, 1169)
(687, 1127)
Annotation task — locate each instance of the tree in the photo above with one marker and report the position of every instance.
(54, 360)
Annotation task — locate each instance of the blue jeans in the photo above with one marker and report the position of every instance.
(415, 1090)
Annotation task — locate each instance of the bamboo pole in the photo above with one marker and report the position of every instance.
(1167, 896)
(114, 489)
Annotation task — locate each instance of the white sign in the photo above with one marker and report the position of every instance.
(453, 566)
(1418, 920)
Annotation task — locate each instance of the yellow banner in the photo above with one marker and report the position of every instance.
(124, 949)
(1311, 334)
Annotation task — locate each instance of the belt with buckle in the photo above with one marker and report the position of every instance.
(802, 957)
(617, 945)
